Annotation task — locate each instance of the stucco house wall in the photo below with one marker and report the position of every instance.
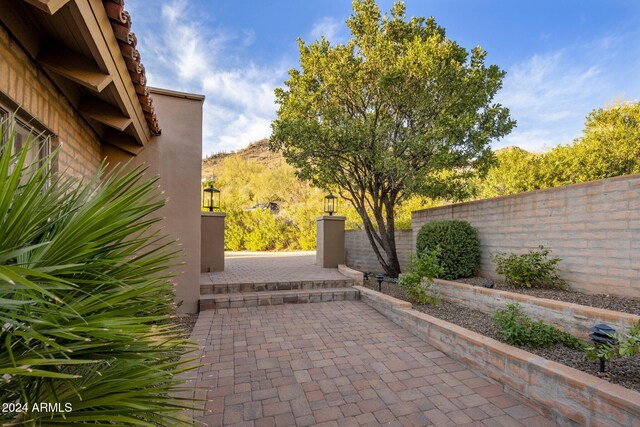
(176, 157)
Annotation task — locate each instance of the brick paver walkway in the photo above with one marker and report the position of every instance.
(338, 364)
(264, 267)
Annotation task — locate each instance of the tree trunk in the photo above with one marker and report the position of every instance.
(386, 249)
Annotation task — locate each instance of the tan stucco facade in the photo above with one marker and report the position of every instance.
(176, 157)
(212, 248)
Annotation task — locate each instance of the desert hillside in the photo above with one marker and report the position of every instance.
(256, 151)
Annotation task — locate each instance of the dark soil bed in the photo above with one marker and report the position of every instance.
(609, 302)
(623, 371)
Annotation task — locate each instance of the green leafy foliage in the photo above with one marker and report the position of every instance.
(516, 171)
(86, 298)
(627, 345)
(533, 269)
(458, 243)
(418, 280)
(522, 331)
(398, 110)
(608, 147)
(262, 230)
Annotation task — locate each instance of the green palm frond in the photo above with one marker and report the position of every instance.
(86, 298)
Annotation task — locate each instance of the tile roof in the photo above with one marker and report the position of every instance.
(127, 40)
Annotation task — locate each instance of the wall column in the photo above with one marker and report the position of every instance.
(330, 242)
(212, 241)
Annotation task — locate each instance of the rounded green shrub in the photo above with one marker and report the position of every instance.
(458, 243)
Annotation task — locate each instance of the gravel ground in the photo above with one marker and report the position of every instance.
(623, 371)
(609, 302)
(186, 322)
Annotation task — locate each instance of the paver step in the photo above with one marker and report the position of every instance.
(253, 299)
(233, 288)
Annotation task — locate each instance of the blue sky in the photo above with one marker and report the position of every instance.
(563, 57)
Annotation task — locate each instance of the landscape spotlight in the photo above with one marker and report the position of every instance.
(602, 334)
(380, 279)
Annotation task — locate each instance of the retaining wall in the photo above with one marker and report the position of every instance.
(360, 255)
(568, 396)
(573, 318)
(593, 226)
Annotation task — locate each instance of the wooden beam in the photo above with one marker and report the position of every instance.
(123, 141)
(73, 66)
(104, 113)
(49, 6)
(15, 15)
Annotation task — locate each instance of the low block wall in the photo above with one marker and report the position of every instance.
(593, 226)
(569, 396)
(360, 255)
(573, 318)
(357, 276)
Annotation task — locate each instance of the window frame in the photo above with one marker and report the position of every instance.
(42, 139)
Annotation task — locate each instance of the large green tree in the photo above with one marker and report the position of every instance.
(515, 171)
(398, 110)
(609, 146)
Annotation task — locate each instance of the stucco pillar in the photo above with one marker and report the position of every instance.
(330, 242)
(212, 241)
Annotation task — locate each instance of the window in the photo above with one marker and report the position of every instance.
(40, 146)
(40, 143)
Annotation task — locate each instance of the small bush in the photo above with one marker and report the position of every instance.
(458, 243)
(418, 280)
(534, 268)
(522, 331)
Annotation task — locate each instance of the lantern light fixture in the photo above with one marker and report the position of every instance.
(211, 198)
(330, 204)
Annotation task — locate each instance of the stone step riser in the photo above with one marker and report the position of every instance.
(234, 288)
(278, 299)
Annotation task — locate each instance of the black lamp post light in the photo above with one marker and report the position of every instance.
(602, 334)
(211, 198)
(330, 204)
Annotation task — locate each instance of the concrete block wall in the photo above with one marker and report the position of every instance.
(24, 85)
(360, 255)
(593, 226)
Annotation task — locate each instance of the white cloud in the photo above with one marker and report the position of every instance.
(549, 95)
(181, 52)
(328, 27)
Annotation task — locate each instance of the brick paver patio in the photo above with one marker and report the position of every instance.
(338, 364)
(261, 267)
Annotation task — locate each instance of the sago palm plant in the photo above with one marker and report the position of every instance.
(86, 299)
